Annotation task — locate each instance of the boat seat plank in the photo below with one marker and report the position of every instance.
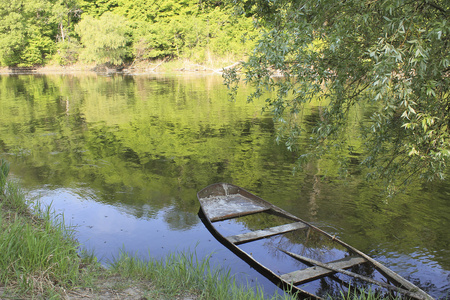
(312, 273)
(221, 208)
(259, 234)
(237, 214)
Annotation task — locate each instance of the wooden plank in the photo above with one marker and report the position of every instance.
(309, 274)
(334, 268)
(259, 234)
(238, 214)
(219, 208)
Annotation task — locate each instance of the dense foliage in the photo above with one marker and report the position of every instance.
(37, 32)
(392, 56)
(26, 32)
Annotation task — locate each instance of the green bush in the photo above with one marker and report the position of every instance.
(67, 52)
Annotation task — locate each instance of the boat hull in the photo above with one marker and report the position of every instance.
(223, 203)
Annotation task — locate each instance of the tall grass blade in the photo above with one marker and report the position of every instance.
(4, 171)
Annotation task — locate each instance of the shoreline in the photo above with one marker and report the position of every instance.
(176, 67)
(41, 259)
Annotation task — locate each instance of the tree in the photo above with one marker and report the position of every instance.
(104, 39)
(96, 8)
(184, 29)
(390, 55)
(65, 13)
(26, 32)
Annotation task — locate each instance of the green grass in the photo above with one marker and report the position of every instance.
(39, 255)
(183, 273)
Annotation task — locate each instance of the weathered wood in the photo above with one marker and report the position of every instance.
(237, 214)
(224, 207)
(312, 273)
(263, 233)
(222, 201)
(333, 268)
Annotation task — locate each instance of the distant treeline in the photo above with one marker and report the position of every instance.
(39, 32)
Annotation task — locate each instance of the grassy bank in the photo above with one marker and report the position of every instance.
(39, 256)
(42, 260)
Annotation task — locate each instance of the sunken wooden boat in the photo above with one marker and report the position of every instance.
(301, 253)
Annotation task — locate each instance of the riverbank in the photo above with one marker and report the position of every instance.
(142, 68)
(41, 259)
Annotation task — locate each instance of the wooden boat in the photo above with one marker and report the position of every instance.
(312, 254)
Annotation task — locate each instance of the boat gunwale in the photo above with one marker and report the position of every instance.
(395, 278)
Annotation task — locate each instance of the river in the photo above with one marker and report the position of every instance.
(122, 158)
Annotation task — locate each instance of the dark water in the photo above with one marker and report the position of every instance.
(122, 158)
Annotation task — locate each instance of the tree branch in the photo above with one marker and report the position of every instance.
(434, 5)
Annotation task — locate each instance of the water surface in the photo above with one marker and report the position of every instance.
(123, 157)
